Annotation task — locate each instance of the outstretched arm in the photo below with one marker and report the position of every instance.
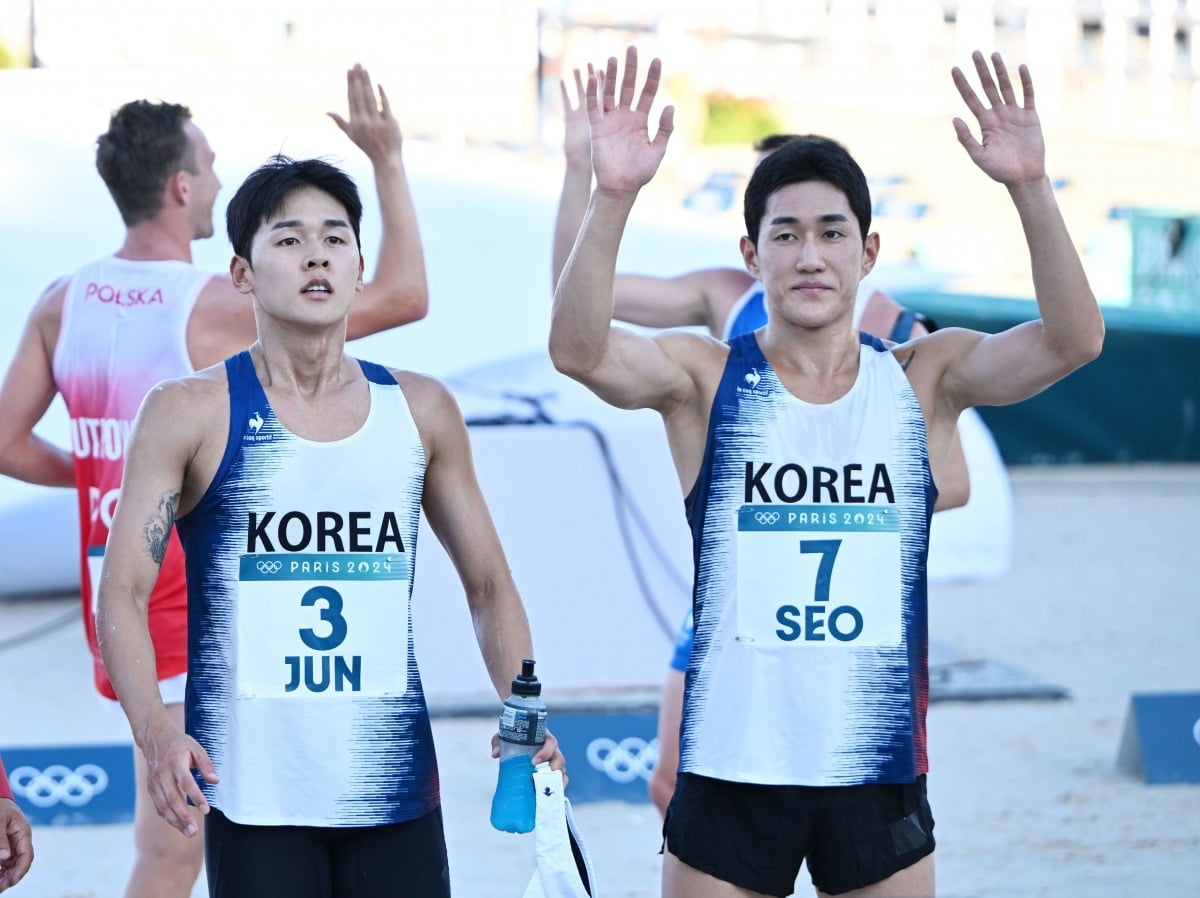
(26, 394)
(398, 293)
(622, 368)
(1020, 362)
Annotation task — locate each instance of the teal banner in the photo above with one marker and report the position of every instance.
(323, 566)
(1138, 402)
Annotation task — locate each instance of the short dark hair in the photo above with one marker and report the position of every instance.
(772, 142)
(145, 144)
(268, 187)
(807, 158)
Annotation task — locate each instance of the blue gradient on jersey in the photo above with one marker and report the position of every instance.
(385, 741)
(880, 700)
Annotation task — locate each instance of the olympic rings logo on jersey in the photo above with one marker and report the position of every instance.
(766, 517)
(59, 783)
(270, 567)
(623, 761)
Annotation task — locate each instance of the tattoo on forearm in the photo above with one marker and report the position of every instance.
(158, 528)
(904, 363)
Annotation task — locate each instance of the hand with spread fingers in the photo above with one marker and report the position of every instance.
(1010, 148)
(624, 156)
(577, 135)
(371, 125)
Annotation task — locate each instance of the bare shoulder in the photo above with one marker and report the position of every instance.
(222, 322)
(694, 352)
(422, 389)
(434, 409)
(188, 402)
(48, 309)
(724, 283)
(926, 358)
(701, 357)
(219, 292)
(428, 398)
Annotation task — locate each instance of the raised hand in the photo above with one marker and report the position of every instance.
(371, 126)
(577, 134)
(624, 157)
(1010, 149)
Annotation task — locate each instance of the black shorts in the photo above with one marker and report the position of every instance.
(399, 859)
(757, 836)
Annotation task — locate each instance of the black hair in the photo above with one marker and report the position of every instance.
(268, 187)
(771, 142)
(807, 158)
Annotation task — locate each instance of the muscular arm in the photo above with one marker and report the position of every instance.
(1015, 364)
(26, 394)
(165, 437)
(950, 472)
(398, 293)
(456, 511)
(624, 369)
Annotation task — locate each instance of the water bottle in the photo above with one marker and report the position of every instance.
(522, 732)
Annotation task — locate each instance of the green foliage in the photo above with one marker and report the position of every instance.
(735, 120)
(6, 57)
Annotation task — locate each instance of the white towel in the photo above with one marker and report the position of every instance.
(563, 867)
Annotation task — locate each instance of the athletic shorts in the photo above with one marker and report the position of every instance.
(398, 859)
(757, 836)
(683, 645)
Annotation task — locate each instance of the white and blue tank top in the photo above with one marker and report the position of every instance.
(302, 684)
(810, 527)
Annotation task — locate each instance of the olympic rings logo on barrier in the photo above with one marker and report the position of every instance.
(269, 567)
(59, 783)
(623, 761)
(766, 517)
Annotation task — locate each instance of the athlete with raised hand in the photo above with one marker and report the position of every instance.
(808, 460)
(728, 302)
(105, 335)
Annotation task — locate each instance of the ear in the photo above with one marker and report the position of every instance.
(361, 267)
(240, 273)
(750, 257)
(179, 188)
(870, 253)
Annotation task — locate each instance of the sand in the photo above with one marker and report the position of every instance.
(1101, 600)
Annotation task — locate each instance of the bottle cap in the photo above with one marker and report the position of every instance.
(526, 683)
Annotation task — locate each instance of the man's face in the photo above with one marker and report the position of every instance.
(203, 183)
(307, 267)
(810, 254)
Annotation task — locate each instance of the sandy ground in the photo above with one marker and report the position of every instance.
(1102, 599)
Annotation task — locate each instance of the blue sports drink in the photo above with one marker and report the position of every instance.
(514, 805)
(522, 732)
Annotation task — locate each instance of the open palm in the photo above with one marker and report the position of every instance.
(624, 157)
(1010, 148)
